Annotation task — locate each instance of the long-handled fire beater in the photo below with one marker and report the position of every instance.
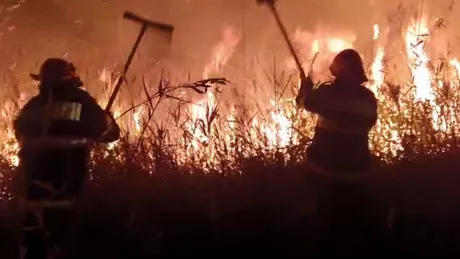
(271, 4)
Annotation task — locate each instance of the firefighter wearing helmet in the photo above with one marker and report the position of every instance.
(61, 110)
(346, 112)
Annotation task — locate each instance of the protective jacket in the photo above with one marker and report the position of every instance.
(63, 112)
(346, 113)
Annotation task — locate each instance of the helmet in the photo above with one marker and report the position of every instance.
(56, 71)
(348, 64)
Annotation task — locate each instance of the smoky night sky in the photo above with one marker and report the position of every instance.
(92, 34)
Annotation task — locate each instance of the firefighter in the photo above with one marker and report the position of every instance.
(346, 112)
(61, 110)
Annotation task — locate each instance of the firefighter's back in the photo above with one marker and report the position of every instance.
(341, 140)
(74, 115)
(346, 112)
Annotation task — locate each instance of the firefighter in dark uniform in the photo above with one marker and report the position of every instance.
(61, 110)
(346, 112)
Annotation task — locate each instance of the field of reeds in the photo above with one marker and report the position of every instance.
(217, 181)
(205, 168)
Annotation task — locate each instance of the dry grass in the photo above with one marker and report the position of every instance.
(249, 168)
(236, 145)
(234, 167)
(149, 180)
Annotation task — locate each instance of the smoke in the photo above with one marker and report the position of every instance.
(222, 52)
(93, 35)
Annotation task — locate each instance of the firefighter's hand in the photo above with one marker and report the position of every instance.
(306, 86)
(112, 131)
(109, 119)
(306, 83)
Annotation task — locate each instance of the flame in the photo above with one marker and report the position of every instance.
(213, 136)
(222, 51)
(12, 148)
(456, 64)
(336, 45)
(416, 40)
(315, 47)
(377, 68)
(137, 118)
(326, 43)
(201, 113)
(278, 129)
(378, 74)
(376, 31)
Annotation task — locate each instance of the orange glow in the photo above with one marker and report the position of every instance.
(416, 41)
(211, 133)
(377, 69)
(376, 31)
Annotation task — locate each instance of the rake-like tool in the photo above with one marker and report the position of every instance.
(272, 7)
(165, 28)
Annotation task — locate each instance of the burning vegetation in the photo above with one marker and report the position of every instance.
(195, 127)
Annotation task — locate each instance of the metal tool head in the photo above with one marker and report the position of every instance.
(266, 2)
(168, 28)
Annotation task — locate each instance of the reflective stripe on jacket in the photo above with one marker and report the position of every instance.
(363, 110)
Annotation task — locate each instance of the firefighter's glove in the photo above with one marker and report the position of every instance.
(112, 131)
(109, 119)
(306, 86)
(307, 81)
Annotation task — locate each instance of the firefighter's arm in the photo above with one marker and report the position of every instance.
(306, 89)
(112, 131)
(99, 124)
(25, 120)
(18, 126)
(374, 113)
(312, 99)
